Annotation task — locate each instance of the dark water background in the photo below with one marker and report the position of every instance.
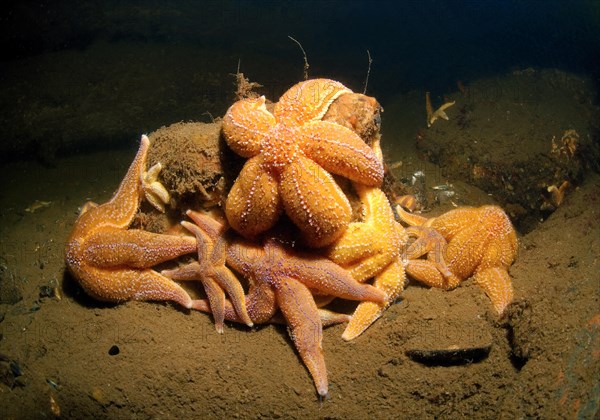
(423, 45)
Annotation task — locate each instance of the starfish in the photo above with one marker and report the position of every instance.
(210, 269)
(111, 262)
(292, 275)
(481, 242)
(371, 248)
(438, 113)
(288, 280)
(155, 192)
(292, 154)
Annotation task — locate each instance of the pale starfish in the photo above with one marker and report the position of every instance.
(432, 115)
(210, 269)
(283, 278)
(371, 248)
(481, 243)
(292, 275)
(292, 153)
(111, 262)
(155, 192)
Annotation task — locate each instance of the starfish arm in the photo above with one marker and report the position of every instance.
(369, 267)
(119, 285)
(466, 250)
(253, 204)
(204, 243)
(439, 113)
(207, 224)
(451, 223)
(216, 298)
(308, 100)
(428, 108)
(124, 204)
(245, 125)
(500, 252)
(120, 210)
(329, 318)
(244, 256)
(110, 247)
(187, 272)
(260, 302)
(502, 244)
(368, 247)
(314, 202)
(341, 151)
(431, 243)
(391, 282)
(349, 249)
(225, 278)
(329, 278)
(497, 284)
(425, 272)
(411, 219)
(306, 331)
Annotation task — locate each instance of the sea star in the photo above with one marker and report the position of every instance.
(210, 269)
(432, 115)
(481, 243)
(283, 278)
(110, 261)
(292, 153)
(155, 192)
(372, 248)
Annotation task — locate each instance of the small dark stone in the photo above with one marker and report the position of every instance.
(46, 291)
(114, 350)
(449, 356)
(15, 368)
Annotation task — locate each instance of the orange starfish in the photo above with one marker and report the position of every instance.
(283, 278)
(371, 248)
(292, 153)
(292, 276)
(110, 261)
(210, 269)
(481, 243)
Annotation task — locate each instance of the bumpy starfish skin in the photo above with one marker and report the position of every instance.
(292, 276)
(481, 243)
(210, 269)
(371, 248)
(291, 155)
(111, 262)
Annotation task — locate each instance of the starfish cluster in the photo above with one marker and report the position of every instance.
(252, 267)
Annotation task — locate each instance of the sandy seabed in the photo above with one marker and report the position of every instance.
(147, 360)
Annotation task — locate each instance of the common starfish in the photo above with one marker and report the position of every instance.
(481, 243)
(155, 192)
(111, 262)
(372, 248)
(432, 115)
(283, 278)
(291, 155)
(210, 269)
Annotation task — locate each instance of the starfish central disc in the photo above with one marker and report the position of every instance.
(280, 148)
